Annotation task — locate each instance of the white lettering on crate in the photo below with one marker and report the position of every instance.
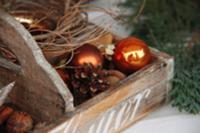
(110, 121)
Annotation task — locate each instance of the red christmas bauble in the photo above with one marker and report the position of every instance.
(131, 54)
(87, 54)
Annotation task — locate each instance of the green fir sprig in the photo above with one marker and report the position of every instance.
(169, 25)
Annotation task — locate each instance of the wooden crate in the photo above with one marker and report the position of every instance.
(41, 92)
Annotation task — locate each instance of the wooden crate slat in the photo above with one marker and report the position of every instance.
(34, 66)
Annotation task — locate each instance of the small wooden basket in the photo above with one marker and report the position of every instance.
(40, 91)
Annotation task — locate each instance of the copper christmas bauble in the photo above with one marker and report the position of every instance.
(87, 54)
(131, 54)
(35, 23)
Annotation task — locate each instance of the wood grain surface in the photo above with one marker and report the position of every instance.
(37, 75)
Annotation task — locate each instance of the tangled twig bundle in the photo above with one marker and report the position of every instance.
(72, 30)
(59, 28)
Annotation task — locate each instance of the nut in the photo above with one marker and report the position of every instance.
(19, 122)
(115, 76)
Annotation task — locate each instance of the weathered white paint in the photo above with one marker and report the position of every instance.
(91, 130)
(126, 114)
(60, 128)
(5, 91)
(69, 126)
(77, 124)
(100, 124)
(111, 120)
(138, 100)
(120, 116)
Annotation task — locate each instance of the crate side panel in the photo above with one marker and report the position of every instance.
(151, 85)
(119, 116)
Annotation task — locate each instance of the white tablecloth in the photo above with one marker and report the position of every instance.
(167, 120)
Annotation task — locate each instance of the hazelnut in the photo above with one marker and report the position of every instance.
(5, 113)
(19, 122)
(114, 76)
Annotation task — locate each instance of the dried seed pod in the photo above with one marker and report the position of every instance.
(19, 122)
(5, 113)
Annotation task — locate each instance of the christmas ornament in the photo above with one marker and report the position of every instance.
(35, 23)
(87, 54)
(19, 122)
(5, 113)
(131, 54)
(87, 82)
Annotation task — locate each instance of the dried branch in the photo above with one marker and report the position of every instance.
(7, 54)
(71, 29)
(5, 91)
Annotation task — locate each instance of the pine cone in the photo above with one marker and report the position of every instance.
(87, 81)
